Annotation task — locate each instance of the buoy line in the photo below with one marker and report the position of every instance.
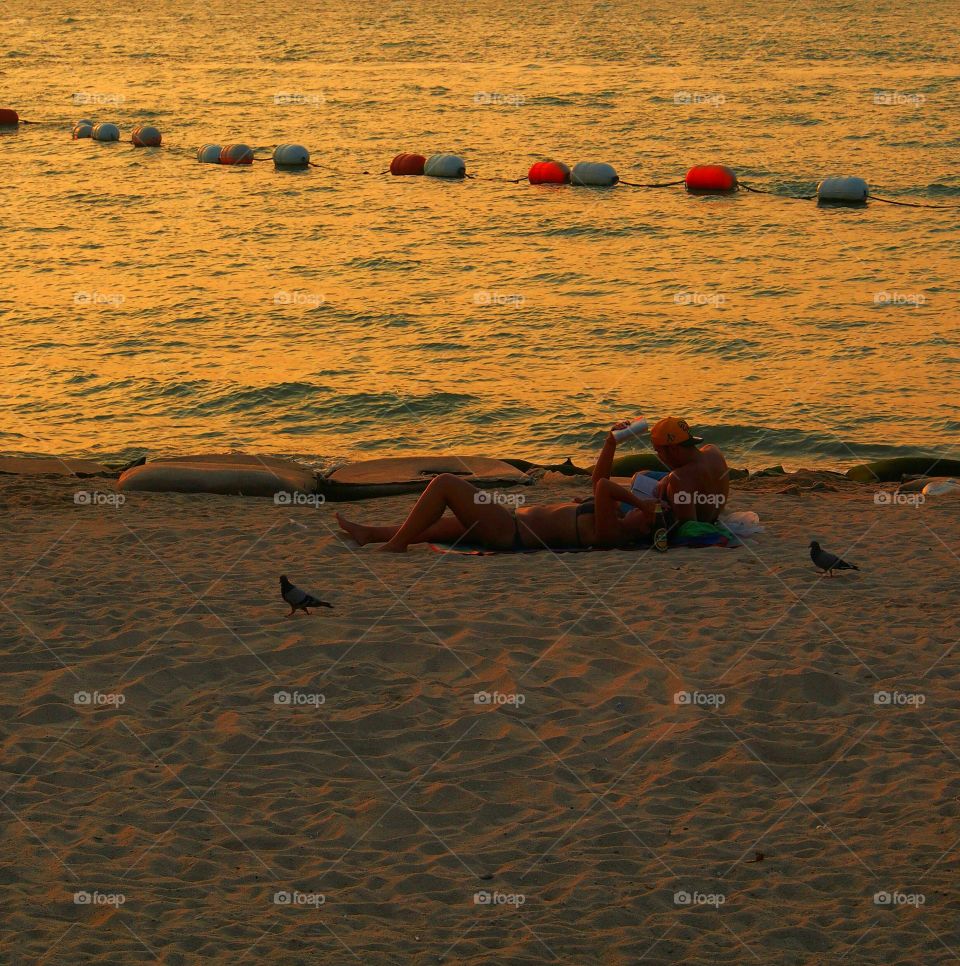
(707, 179)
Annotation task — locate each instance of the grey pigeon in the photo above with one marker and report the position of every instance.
(827, 561)
(298, 599)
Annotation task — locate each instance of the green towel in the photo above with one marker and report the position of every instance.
(694, 533)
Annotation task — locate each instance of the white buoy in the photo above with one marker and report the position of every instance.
(445, 166)
(82, 129)
(849, 191)
(106, 132)
(209, 153)
(146, 136)
(595, 174)
(291, 156)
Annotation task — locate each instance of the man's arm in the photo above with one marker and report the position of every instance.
(680, 495)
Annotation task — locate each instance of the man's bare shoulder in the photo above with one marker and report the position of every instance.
(711, 452)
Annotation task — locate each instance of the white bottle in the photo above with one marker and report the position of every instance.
(636, 428)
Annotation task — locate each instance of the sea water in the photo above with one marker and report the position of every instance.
(154, 304)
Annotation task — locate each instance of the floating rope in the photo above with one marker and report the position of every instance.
(664, 184)
(912, 204)
(762, 191)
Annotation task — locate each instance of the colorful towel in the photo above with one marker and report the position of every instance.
(693, 533)
(689, 534)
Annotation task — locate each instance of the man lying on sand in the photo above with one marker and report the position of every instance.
(695, 489)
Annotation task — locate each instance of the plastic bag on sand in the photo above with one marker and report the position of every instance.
(745, 523)
(942, 488)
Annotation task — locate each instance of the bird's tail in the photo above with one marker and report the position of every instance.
(323, 603)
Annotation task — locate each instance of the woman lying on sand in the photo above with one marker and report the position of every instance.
(597, 522)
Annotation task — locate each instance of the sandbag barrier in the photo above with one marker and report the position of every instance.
(244, 474)
(701, 179)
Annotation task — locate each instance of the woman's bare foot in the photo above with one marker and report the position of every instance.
(358, 531)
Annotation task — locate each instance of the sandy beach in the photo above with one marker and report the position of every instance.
(612, 757)
(315, 254)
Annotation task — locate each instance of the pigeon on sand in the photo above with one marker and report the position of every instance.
(827, 561)
(298, 599)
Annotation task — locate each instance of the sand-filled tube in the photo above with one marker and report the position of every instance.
(8, 117)
(236, 154)
(209, 154)
(634, 463)
(232, 474)
(894, 469)
(405, 165)
(445, 166)
(291, 156)
(708, 179)
(549, 172)
(594, 174)
(411, 474)
(843, 191)
(105, 131)
(146, 136)
(82, 129)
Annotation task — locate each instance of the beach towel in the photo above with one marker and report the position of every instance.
(727, 532)
(693, 533)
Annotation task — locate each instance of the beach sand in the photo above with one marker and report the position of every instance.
(606, 822)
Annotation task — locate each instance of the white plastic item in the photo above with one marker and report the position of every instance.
(744, 523)
(209, 153)
(291, 156)
(846, 190)
(106, 132)
(445, 166)
(942, 488)
(636, 428)
(596, 174)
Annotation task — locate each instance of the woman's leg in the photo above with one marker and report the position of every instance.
(447, 530)
(486, 522)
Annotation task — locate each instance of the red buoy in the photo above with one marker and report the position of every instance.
(8, 117)
(711, 179)
(236, 154)
(549, 172)
(404, 164)
(146, 136)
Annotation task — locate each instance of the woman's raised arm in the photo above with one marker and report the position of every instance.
(605, 462)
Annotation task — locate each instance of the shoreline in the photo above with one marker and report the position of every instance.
(944, 464)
